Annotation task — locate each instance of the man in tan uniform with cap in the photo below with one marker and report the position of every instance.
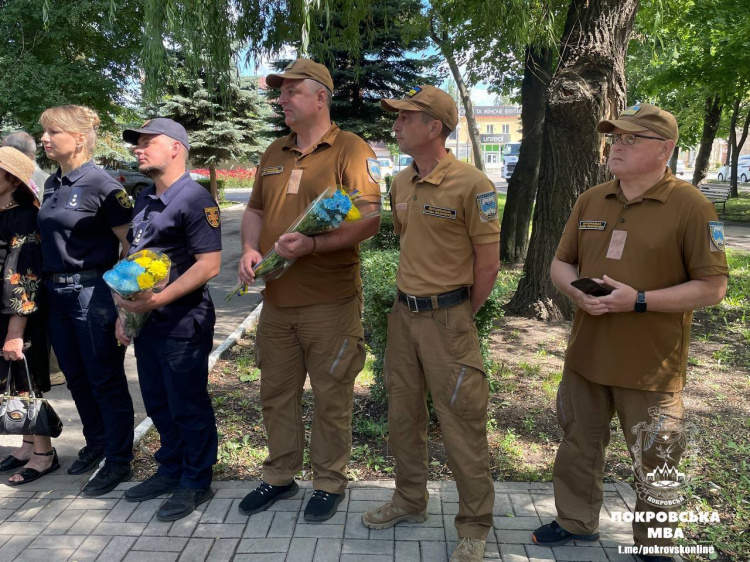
(445, 212)
(311, 317)
(656, 241)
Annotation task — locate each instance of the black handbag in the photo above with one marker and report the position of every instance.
(27, 415)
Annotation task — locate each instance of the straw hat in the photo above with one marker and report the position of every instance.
(19, 165)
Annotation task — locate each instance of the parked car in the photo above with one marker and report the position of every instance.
(725, 172)
(131, 179)
(386, 167)
(403, 162)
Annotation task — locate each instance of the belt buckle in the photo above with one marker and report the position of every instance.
(409, 300)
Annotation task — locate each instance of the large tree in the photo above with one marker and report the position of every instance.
(83, 53)
(588, 86)
(222, 125)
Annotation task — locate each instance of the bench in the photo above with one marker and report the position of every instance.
(716, 193)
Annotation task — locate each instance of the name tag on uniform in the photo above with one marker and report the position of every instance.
(401, 206)
(440, 212)
(271, 170)
(74, 200)
(617, 244)
(294, 178)
(592, 225)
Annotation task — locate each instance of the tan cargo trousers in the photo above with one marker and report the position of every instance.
(438, 350)
(326, 342)
(584, 411)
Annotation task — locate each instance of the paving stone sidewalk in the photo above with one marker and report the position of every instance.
(42, 525)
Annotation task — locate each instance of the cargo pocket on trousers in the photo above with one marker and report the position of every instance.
(348, 359)
(467, 391)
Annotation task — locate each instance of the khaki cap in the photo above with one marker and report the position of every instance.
(433, 101)
(19, 165)
(643, 117)
(302, 69)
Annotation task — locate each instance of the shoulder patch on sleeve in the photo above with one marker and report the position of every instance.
(124, 199)
(716, 234)
(487, 205)
(373, 168)
(212, 216)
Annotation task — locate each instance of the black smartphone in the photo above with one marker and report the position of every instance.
(591, 287)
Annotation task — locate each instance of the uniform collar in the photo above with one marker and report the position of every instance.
(74, 175)
(660, 191)
(172, 191)
(436, 176)
(291, 140)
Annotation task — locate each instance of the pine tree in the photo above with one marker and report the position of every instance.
(222, 126)
(388, 66)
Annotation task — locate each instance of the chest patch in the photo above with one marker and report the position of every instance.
(487, 205)
(592, 225)
(271, 170)
(74, 199)
(440, 212)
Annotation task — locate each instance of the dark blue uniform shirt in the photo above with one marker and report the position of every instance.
(181, 223)
(78, 213)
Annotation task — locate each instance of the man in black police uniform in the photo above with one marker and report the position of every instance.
(178, 217)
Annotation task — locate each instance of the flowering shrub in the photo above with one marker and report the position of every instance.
(237, 178)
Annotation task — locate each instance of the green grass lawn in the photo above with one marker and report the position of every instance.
(738, 209)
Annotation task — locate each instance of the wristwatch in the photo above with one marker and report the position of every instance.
(640, 302)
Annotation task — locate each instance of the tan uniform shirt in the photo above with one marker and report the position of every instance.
(439, 218)
(659, 240)
(286, 183)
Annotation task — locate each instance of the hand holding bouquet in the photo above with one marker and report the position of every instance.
(140, 272)
(326, 213)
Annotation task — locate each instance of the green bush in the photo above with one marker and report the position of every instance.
(379, 286)
(219, 187)
(385, 239)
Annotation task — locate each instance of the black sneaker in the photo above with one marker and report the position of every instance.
(107, 479)
(154, 486)
(554, 535)
(88, 459)
(182, 503)
(322, 506)
(264, 497)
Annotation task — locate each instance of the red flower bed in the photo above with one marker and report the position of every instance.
(239, 177)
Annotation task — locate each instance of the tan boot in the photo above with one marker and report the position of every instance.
(469, 550)
(387, 515)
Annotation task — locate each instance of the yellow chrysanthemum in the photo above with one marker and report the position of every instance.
(145, 281)
(144, 262)
(158, 270)
(353, 214)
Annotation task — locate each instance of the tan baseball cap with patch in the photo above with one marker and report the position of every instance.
(302, 69)
(429, 99)
(643, 117)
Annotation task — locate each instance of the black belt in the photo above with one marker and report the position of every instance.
(444, 300)
(78, 277)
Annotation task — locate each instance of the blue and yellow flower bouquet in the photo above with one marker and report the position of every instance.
(328, 211)
(142, 271)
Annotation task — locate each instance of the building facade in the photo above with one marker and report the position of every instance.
(498, 126)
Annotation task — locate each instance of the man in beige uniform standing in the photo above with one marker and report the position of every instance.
(657, 242)
(311, 317)
(445, 212)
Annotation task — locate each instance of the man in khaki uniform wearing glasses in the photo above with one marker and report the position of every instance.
(656, 242)
(445, 212)
(311, 322)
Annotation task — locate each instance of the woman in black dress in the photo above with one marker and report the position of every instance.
(22, 327)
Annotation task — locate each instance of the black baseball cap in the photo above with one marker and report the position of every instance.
(158, 126)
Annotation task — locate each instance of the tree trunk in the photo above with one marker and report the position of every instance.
(711, 119)
(212, 181)
(514, 233)
(673, 159)
(589, 86)
(465, 93)
(736, 145)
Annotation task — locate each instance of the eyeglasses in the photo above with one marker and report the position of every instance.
(628, 139)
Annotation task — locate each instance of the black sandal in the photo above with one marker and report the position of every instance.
(10, 462)
(30, 474)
